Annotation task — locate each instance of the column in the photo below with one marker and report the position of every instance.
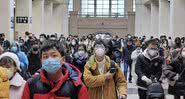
(142, 19)
(48, 17)
(7, 18)
(23, 15)
(154, 18)
(65, 18)
(164, 13)
(76, 5)
(73, 26)
(131, 17)
(177, 15)
(38, 17)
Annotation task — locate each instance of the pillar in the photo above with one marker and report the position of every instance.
(76, 5)
(142, 19)
(131, 17)
(154, 19)
(7, 18)
(48, 17)
(38, 17)
(164, 13)
(177, 15)
(23, 15)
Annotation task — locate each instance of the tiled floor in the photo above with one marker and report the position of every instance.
(132, 92)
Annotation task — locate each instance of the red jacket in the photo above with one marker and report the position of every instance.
(51, 94)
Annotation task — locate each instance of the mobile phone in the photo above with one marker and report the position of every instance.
(113, 70)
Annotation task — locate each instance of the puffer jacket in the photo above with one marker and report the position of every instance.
(170, 71)
(4, 84)
(99, 88)
(145, 66)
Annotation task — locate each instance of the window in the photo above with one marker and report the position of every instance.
(103, 8)
(87, 8)
(118, 8)
(70, 6)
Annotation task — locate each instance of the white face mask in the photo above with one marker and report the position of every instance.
(100, 52)
(153, 53)
(10, 73)
(81, 53)
(73, 43)
(183, 54)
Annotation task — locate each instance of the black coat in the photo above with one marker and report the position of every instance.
(170, 71)
(148, 68)
(34, 63)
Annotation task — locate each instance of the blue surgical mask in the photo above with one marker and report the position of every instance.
(51, 65)
(14, 49)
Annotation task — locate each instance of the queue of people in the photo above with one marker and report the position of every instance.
(92, 67)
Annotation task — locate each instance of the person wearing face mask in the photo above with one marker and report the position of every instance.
(15, 48)
(130, 47)
(57, 79)
(148, 64)
(4, 84)
(103, 81)
(34, 59)
(175, 73)
(135, 54)
(73, 46)
(176, 49)
(80, 57)
(11, 62)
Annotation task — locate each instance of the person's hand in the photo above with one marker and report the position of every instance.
(122, 97)
(108, 75)
(147, 80)
(176, 77)
(178, 49)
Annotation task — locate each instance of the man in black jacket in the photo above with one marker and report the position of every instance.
(148, 64)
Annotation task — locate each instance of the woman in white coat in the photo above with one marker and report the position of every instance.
(134, 56)
(11, 62)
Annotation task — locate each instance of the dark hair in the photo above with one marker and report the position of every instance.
(99, 42)
(7, 59)
(84, 47)
(50, 44)
(152, 41)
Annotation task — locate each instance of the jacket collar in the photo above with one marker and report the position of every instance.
(145, 53)
(93, 64)
(17, 80)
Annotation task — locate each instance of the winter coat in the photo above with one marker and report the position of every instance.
(145, 66)
(170, 71)
(4, 84)
(34, 62)
(17, 84)
(22, 58)
(129, 49)
(134, 57)
(99, 88)
(40, 87)
(80, 61)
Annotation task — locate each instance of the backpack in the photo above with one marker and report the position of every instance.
(155, 91)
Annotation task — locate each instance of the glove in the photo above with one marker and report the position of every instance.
(176, 77)
(147, 80)
(122, 97)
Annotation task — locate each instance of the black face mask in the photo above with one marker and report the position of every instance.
(35, 49)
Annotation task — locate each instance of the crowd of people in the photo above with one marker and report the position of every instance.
(89, 67)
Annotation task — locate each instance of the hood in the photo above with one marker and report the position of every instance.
(17, 44)
(70, 72)
(147, 56)
(93, 64)
(12, 56)
(17, 80)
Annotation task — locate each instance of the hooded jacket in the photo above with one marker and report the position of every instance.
(145, 66)
(99, 88)
(4, 84)
(41, 88)
(22, 58)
